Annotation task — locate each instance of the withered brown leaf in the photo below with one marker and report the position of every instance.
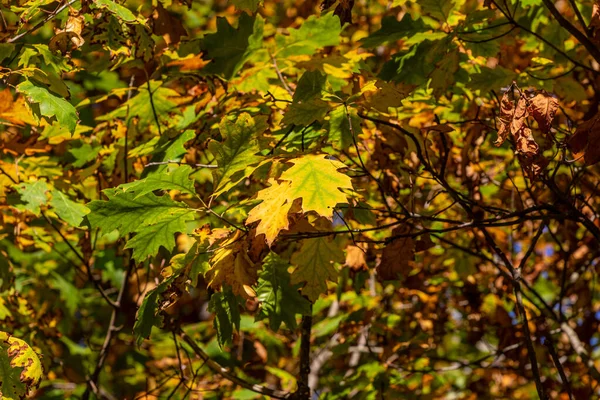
(585, 142)
(543, 108)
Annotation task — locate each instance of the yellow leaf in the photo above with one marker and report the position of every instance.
(231, 264)
(273, 211)
(15, 112)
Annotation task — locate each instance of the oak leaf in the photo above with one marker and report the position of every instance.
(273, 211)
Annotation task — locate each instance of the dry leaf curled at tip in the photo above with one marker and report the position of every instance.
(543, 108)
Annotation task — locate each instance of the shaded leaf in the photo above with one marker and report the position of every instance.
(229, 48)
(280, 301)
(315, 265)
(397, 256)
(237, 155)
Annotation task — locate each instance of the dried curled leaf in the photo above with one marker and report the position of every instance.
(543, 108)
(20, 367)
(505, 118)
(69, 39)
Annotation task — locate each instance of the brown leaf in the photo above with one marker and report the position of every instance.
(585, 142)
(543, 108)
(343, 9)
(167, 26)
(69, 39)
(519, 116)
(397, 256)
(424, 243)
(525, 144)
(506, 114)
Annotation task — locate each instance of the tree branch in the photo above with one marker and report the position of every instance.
(215, 367)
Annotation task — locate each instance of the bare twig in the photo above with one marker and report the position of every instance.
(92, 382)
(51, 16)
(215, 367)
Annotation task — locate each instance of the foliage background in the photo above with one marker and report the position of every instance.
(367, 199)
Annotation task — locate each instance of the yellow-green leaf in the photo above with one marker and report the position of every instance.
(20, 368)
(315, 265)
(317, 181)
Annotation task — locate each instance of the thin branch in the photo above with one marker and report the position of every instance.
(180, 163)
(559, 367)
(582, 38)
(530, 349)
(51, 16)
(216, 368)
(92, 382)
(283, 82)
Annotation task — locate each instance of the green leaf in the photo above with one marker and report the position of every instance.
(314, 34)
(160, 232)
(340, 135)
(225, 306)
(305, 113)
(442, 77)
(229, 48)
(491, 79)
(309, 86)
(34, 195)
(69, 294)
(146, 316)
(154, 219)
(280, 301)
(177, 179)
(117, 9)
(237, 155)
(315, 265)
(392, 30)
(415, 65)
(6, 50)
(20, 368)
(68, 210)
(7, 275)
(50, 105)
(317, 181)
(439, 9)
